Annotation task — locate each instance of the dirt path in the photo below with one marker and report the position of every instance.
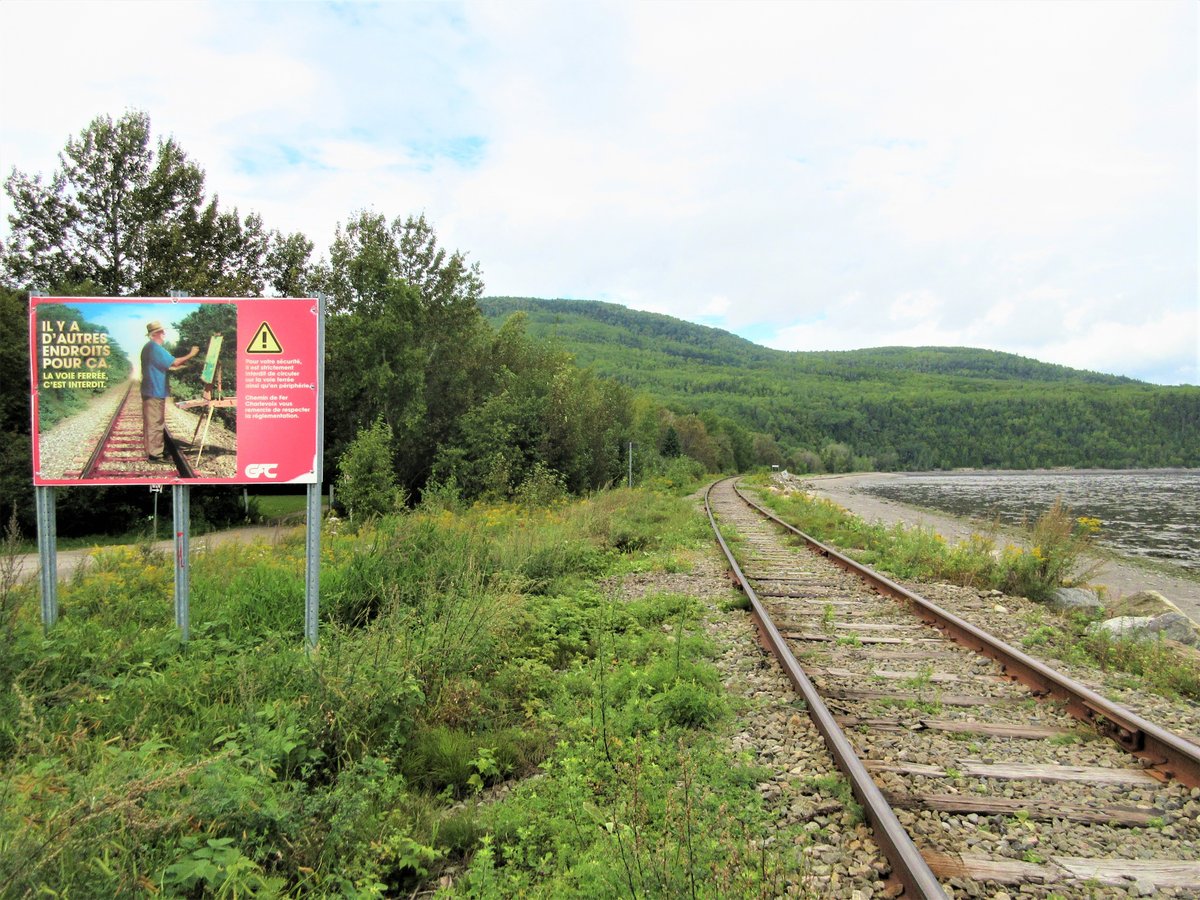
(70, 560)
(1120, 576)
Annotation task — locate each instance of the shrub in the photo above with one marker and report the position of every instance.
(546, 564)
(680, 475)
(543, 486)
(1057, 543)
(686, 704)
(367, 476)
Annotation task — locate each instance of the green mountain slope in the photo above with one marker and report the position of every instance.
(901, 407)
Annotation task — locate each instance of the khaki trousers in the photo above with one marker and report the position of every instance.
(154, 410)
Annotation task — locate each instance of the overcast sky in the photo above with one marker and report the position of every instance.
(812, 176)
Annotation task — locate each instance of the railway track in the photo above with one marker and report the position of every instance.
(120, 451)
(980, 770)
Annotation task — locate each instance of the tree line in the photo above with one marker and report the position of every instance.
(499, 396)
(472, 408)
(889, 408)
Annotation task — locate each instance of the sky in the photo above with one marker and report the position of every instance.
(1014, 176)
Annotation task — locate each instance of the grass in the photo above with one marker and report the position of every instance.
(1054, 557)
(460, 647)
(90, 542)
(836, 786)
(274, 508)
(1157, 666)
(265, 509)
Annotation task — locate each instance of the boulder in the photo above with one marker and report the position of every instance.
(1122, 626)
(1173, 626)
(1143, 603)
(1067, 599)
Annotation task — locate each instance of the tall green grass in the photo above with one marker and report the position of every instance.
(460, 647)
(1054, 556)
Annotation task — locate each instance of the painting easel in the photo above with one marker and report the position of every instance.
(214, 394)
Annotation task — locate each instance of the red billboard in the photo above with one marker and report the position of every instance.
(197, 390)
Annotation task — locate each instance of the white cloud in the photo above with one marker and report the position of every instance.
(922, 304)
(1007, 175)
(716, 306)
(1165, 345)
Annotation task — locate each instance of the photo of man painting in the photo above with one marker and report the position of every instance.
(157, 363)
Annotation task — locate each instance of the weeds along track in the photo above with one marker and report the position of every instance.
(121, 452)
(981, 770)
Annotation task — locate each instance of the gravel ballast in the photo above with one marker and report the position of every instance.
(839, 857)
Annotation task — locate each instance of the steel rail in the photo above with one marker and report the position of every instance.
(98, 450)
(908, 866)
(182, 465)
(1167, 754)
(171, 447)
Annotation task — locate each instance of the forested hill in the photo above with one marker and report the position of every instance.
(894, 407)
(589, 329)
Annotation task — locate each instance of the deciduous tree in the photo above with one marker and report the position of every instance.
(122, 215)
(406, 339)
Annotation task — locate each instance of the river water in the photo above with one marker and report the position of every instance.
(1154, 513)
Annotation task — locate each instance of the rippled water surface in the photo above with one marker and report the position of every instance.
(1153, 514)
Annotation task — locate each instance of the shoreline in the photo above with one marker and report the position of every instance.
(1165, 470)
(1120, 575)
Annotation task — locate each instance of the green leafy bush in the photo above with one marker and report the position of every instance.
(366, 483)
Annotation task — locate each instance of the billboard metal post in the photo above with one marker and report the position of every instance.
(181, 509)
(47, 554)
(312, 566)
(156, 490)
(312, 553)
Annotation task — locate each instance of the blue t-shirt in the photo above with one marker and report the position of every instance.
(155, 361)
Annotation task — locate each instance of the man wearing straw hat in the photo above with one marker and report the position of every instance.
(157, 361)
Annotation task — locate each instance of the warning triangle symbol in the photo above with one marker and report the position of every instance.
(264, 341)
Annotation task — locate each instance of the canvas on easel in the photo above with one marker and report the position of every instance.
(211, 361)
(210, 376)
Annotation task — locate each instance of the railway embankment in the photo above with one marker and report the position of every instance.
(999, 794)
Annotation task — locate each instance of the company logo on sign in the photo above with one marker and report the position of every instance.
(261, 470)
